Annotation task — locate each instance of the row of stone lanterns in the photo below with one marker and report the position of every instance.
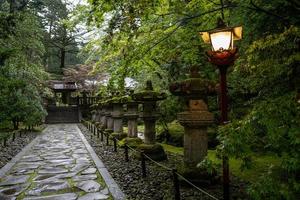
(109, 115)
(196, 118)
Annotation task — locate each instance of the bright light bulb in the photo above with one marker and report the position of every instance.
(221, 40)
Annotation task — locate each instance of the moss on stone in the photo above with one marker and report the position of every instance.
(100, 180)
(199, 176)
(32, 185)
(118, 136)
(131, 142)
(98, 124)
(109, 131)
(148, 95)
(154, 151)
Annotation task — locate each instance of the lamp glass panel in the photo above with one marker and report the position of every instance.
(221, 40)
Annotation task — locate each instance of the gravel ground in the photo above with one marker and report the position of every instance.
(158, 184)
(12, 148)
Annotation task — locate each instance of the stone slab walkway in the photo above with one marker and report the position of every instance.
(58, 165)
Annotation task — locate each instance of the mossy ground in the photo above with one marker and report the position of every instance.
(72, 189)
(198, 176)
(154, 151)
(131, 142)
(118, 136)
(260, 163)
(32, 185)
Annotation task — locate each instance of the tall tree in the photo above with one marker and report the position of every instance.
(21, 74)
(60, 36)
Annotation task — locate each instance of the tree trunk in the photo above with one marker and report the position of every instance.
(12, 6)
(62, 58)
(16, 124)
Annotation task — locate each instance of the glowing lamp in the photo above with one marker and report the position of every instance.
(221, 38)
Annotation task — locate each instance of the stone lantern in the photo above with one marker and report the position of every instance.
(132, 116)
(108, 115)
(117, 115)
(99, 113)
(148, 98)
(195, 119)
(103, 119)
(94, 113)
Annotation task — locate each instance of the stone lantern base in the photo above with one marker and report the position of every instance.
(199, 176)
(119, 136)
(108, 131)
(154, 151)
(131, 142)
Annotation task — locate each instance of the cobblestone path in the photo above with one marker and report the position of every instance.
(57, 166)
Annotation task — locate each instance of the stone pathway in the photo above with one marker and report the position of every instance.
(58, 165)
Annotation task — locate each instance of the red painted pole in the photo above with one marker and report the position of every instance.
(224, 120)
(224, 98)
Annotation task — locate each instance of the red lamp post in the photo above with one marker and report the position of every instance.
(223, 55)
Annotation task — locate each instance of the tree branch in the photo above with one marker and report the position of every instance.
(268, 12)
(163, 39)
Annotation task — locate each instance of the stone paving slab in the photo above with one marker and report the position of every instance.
(58, 165)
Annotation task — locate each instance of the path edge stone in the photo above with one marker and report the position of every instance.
(16, 158)
(110, 182)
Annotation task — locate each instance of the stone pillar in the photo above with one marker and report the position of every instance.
(98, 113)
(94, 115)
(149, 116)
(103, 117)
(110, 121)
(117, 115)
(149, 98)
(132, 116)
(195, 122)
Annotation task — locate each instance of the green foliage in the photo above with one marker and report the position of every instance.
(144, 39)
(271, 122)
(158, 40)
(268, 185)
(173, 135)
(21, 75)
(208, 166)
(169, 108)
(20, 103)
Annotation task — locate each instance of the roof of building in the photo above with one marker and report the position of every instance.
(63, 85)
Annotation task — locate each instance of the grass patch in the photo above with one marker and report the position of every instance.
(100, 180)
(68, 190)
(32, 185)
(172, 149)
(260, 163)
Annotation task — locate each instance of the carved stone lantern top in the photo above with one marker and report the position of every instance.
(194, 87)
(148, 94)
